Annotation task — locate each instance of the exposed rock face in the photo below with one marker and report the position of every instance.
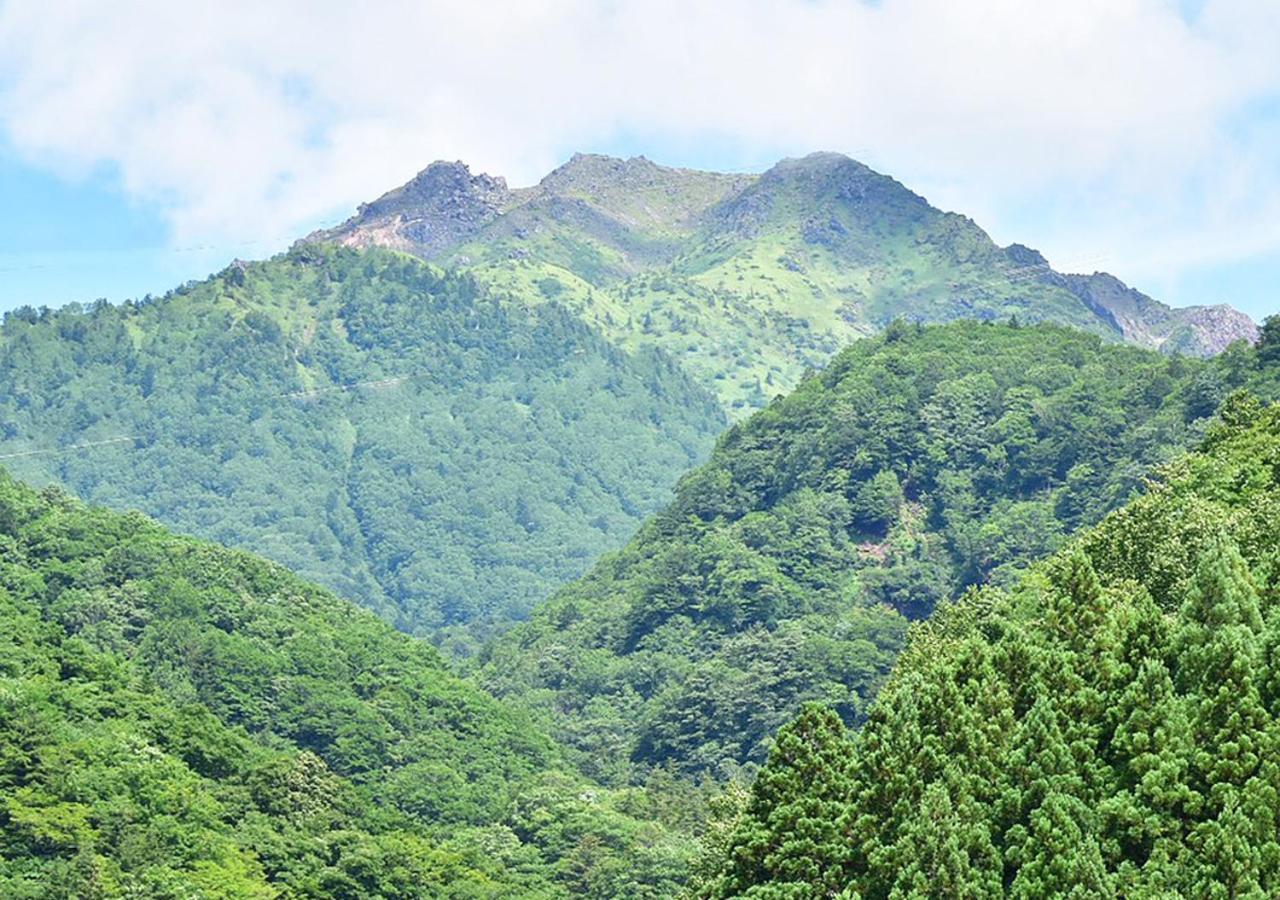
(621, 203)
(443, 206)
(1195, 330)
(1207, 330)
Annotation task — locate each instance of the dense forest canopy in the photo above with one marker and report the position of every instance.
(1107, 726)
(449, 446)
(789, 566)
(439, 454)
(180, 720)
(180, 717)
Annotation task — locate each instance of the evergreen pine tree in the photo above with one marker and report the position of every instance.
(1220, 654)
(1053, 848)
(1150, 752)
(952, 852)
(792, 835)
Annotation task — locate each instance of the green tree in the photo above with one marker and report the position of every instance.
(792, 834)
(1269, 341)
(877, 501)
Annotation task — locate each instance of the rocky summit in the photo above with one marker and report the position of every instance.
(750, 279)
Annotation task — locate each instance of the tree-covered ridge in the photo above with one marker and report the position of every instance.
(431, 450)
(1107, 727)
(788, 567)
(749, 279)
(182, 720)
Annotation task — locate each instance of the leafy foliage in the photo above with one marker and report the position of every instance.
(1106, 727)
(436, 453)
(789, 566)
(182, 720)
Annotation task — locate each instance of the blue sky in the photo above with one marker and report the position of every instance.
(1141, 137)
(78, 238)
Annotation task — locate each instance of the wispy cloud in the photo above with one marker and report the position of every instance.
(1124, 127)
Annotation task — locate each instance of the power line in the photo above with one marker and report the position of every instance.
(115, 440)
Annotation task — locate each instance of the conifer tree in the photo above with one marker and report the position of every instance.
(1060, 856)
(1220, 654)
(792, 835)
(1150, 752)
(952, 851)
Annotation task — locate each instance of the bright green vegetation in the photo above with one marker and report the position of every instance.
(1108, 726)
(178, 720)
(747, 280)
(435, 452)
(447, 448)
(789, 566)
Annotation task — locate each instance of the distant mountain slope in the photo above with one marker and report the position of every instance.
(182, 720)
(434, 452)
(1107, 728)
(598, 217)
(750, 279)
(789, 566)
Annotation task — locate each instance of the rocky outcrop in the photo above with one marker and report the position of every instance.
(442, 207)
(1194, 330)
(607, 219)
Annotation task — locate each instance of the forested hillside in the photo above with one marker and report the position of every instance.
(180, 717)
(449, 446)
(182, 720)
(789, 566)
(1108, 726)
(749, 279)
(435, 452)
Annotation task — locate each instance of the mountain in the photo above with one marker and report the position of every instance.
(789, 567)
(1108, 726)
(448, 446)
(182, 720)
(596, 216)
(750, 279)
(420, 444)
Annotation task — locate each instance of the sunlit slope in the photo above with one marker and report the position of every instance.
(750, 279)
(1106, 727)
(788, 567)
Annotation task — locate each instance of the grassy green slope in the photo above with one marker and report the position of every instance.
(748, 280)
(1106, 728)
(437, 453)
(774, 278)
(789, 566)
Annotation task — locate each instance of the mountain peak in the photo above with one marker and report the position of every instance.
(438, 185)
(592, 169)
(437, 209)
(636, 194)
(827, 174)
(1198, 330)
(823, 225)
(823, 165)
(457, 172)
(1025, 257)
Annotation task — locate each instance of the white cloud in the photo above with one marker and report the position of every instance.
(1098, 126)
